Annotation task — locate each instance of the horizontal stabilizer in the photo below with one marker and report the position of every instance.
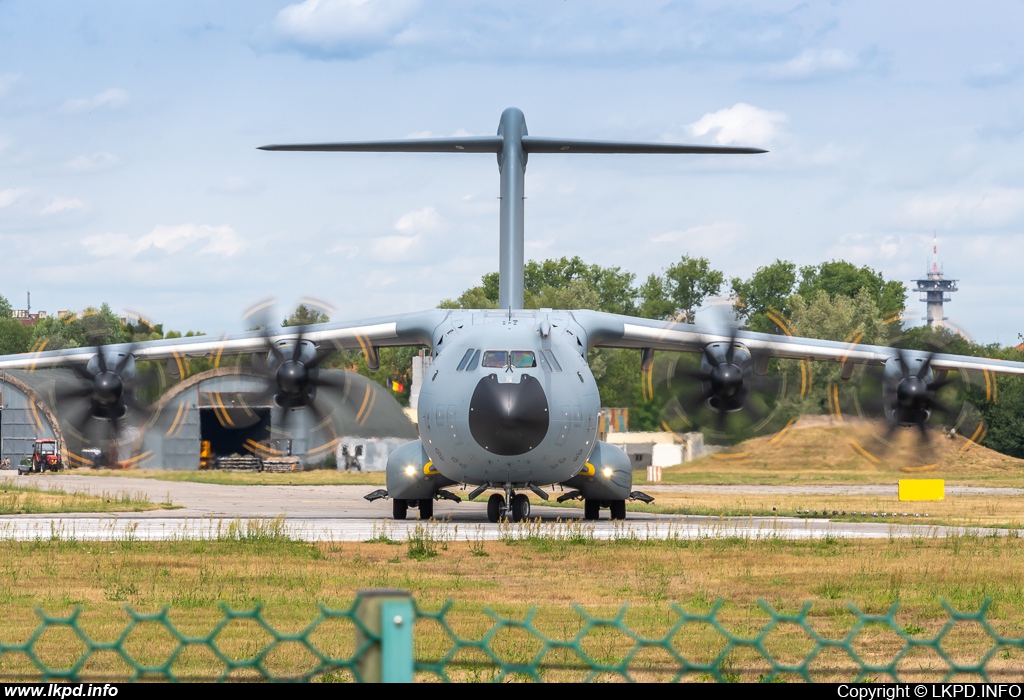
(493, 144)
(459, 144)
(540, 144)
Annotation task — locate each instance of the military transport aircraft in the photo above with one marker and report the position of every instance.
(509, 403)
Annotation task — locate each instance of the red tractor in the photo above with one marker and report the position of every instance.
(45, 456)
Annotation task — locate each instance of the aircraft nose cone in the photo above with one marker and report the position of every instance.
(508, 418)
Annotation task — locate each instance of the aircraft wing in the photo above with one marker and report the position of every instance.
(366, 335)
(615, 331)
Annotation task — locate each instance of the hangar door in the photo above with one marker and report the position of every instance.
(230, 419)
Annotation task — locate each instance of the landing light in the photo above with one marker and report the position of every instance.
(410, 470)
(607, 471)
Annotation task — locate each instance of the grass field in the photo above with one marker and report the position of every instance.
(990, 511)
(829, 455)
(316, 477)
(20, 498)
(546, 568)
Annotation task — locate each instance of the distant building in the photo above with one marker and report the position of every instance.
(28, 318)
(935, 289)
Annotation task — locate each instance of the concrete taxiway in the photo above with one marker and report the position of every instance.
(339, 513)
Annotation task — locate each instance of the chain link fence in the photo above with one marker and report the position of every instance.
(386, 636)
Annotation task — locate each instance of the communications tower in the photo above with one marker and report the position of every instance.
(935, 289)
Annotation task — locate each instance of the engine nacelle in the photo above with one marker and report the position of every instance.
(411, 475)
(607, 475)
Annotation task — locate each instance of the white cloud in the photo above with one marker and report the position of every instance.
(718, 231)
(813, 63)
(200, 239)
(342, 28)
(393, 246)
(111, 97)
(740, 124)
(426, 219)
(991, 74)
(11, 195)
(7, 83)
(61, 205)
(993, 207)
(92, 164)
(869, 248)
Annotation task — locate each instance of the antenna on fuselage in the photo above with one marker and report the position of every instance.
(512, 145)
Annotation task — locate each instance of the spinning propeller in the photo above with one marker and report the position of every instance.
(99, 404)
(906, 392)
(732, 394)
(292, 376)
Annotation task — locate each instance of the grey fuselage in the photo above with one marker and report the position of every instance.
(509, 425)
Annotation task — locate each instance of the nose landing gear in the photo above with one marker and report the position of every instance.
(516, 508)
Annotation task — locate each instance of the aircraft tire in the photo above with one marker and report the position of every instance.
(426, 508)
(399, 508)
(520, 508)
(618, 509)
(591, 509)
(495, 507)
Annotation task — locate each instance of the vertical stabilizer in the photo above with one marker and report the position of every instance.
(511, 226)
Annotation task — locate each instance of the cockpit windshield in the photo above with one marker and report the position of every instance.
(523, 358)
(516, 359)
(495, 358)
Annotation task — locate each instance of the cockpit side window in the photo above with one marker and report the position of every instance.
(551, 358)
(522, 359)
(544, 364)
(474, 362)
(495, 358)
(465, 360)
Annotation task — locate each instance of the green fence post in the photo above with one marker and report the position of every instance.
(389, 617)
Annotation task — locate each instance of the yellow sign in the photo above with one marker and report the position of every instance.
(922, 489)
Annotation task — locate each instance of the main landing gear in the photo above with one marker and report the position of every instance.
(592, 509)
(497, 507)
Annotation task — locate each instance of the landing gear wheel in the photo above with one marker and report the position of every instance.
(618, 509)
(399, 508)
(591, 509)
(495, 507)
(426, 508)
(520, 508)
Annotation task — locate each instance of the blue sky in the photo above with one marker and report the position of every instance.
(129, 171)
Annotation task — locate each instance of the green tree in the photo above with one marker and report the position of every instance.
(840, 318)
(6, 311)
(91, 327)
(769, 288)
(839, 277)
(682, 289)
(305, 316)
(14, 336)
(472, 298)
(612, 286)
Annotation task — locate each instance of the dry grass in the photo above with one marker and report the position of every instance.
(827, 455)
(967, 511)
(548, 572)
(19, 498)
(316, 477)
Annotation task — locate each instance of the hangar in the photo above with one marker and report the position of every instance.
(220, 405)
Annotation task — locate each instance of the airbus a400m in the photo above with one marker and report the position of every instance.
(509, 403)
